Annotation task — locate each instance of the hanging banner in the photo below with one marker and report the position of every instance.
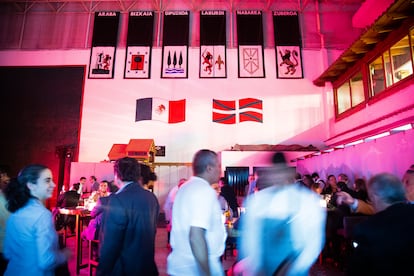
(139, 45)
(104, 40)
(213, 62)
(250, 44)
(175, 44)
(288, 44)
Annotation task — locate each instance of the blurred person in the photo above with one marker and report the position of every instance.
(335, 217)
(366, 207)
(93, 230)
(308, 180)
(4, 214)
(130, 225)
(316, 188)
(282, 231)
(113, 188)
(355, 205)
(318, 180)
(198, 234)
(385, 240)
(360, 189)
(330, 187)
(408, 181)
(147, 177)
(31, 243)
(82, 185)
(168, 205)
(103, 190)
(228, 193)
(298, 179)
(252, 184)
(343, 181)
(224, 205)
(93, 184)
(69, 199)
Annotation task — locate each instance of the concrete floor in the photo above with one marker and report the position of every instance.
(161, 253)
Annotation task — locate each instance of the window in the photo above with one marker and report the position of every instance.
(350, 94)
(401, 59)
(357, 90)
(412, 42)
(391, 66)
(344, 100)
(376, 71)
(387, 67)
(394, 65)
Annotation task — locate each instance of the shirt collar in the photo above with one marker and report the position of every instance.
(123, 187)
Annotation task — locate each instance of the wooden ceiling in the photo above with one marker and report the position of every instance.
(390, 20)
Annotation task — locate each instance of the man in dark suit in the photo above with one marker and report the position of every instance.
(69, 199)
(129, 227)
(385, 241)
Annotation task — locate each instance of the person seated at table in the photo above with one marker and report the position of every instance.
(92, 232)
(308, 180)
(366, 208)
(316, 188)
(224, 205)
(69, 199)
(168, 205)
(385, 241)
(227, 192)
(360, 190)
(102, 191)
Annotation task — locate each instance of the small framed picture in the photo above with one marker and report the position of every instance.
(289, 62)
(174, 62)
(213, 61)
(251, 63)
(102, 62)
(137, 64)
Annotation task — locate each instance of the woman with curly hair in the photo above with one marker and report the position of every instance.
(31, 243)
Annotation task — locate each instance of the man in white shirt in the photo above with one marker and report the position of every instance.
(283, 230)
(198, 234)
(168, 205)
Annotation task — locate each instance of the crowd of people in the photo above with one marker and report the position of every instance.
(283, 231)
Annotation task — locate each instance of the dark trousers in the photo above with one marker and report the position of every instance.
(3, 264)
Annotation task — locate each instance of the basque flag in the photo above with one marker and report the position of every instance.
(158, 109)
(224, 112)
(243, 110)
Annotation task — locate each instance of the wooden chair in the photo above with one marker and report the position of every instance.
(93, 259)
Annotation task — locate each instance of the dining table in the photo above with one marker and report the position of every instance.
(82, 216)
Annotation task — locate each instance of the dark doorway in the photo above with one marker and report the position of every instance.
(237, 178)
(40, 112)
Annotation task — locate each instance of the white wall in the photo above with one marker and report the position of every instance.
(293, 110)
(393, 154)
